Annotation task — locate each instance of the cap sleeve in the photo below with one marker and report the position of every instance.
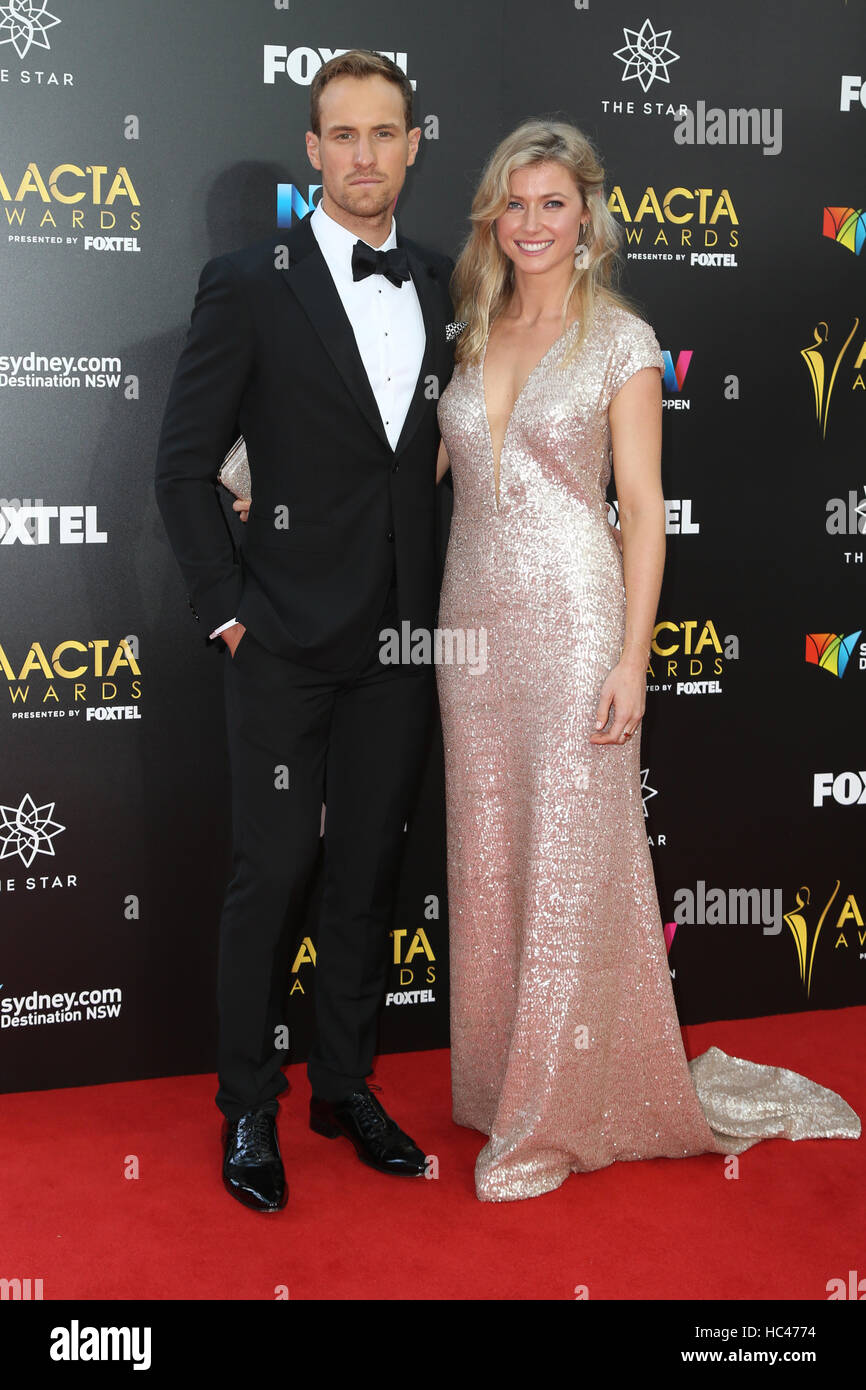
(634, 346)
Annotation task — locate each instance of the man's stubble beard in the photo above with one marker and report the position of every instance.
(360, 204)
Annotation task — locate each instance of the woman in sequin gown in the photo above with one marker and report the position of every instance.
(566, 1047)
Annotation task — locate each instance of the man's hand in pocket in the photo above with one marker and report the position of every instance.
(232, 636)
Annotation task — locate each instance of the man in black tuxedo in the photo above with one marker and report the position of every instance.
(327, 353)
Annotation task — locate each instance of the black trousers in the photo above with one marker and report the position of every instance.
(298, 737)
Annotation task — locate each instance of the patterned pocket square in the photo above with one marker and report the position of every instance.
(453, 330)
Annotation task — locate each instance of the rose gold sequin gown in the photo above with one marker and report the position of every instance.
(566, 1047)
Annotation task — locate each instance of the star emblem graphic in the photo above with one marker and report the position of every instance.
(646, 55)
(27, 830)
(646, 790)
(23, 24)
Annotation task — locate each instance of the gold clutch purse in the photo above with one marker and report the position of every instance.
(234, 473)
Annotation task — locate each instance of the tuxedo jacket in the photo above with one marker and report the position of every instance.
(271, 354)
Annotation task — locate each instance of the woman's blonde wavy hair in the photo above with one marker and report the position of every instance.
(483, 279)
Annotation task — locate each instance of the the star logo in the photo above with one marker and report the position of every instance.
(646, 790)
(23, 24)
(646, 55)
(27, 830)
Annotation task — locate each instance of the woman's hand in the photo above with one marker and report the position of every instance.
(242, 505)
(625, 689)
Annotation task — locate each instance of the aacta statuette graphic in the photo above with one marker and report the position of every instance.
(814, 357)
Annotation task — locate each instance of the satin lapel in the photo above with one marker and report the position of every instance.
(309, 280)
(428, 297)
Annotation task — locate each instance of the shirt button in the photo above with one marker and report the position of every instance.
(390, 536)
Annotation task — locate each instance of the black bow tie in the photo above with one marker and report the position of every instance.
(367, 260)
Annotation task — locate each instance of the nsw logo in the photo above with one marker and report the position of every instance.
(847, 226)
(831, 651)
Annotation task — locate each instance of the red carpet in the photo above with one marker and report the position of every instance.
(666, 1229)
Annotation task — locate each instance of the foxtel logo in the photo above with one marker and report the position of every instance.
(678, 516)
(845, 788)
(301, 64)
(76, 525)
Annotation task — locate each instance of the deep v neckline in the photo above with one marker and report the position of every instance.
(497, 465)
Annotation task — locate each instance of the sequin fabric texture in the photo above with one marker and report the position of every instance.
(565, 1043)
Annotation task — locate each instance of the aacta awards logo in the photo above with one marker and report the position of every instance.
(413, 962)
(687, 656)
(698, 226)
(807, 918)
(90, 205)
(825, 363)
(57, 684)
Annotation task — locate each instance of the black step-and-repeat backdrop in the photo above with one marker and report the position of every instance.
(140, 137)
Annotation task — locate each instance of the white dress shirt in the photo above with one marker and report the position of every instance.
(386, 320)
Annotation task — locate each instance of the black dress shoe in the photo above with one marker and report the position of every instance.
(252, 1167)
(378, 1141)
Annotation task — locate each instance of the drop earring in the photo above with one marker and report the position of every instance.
(581, 251)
